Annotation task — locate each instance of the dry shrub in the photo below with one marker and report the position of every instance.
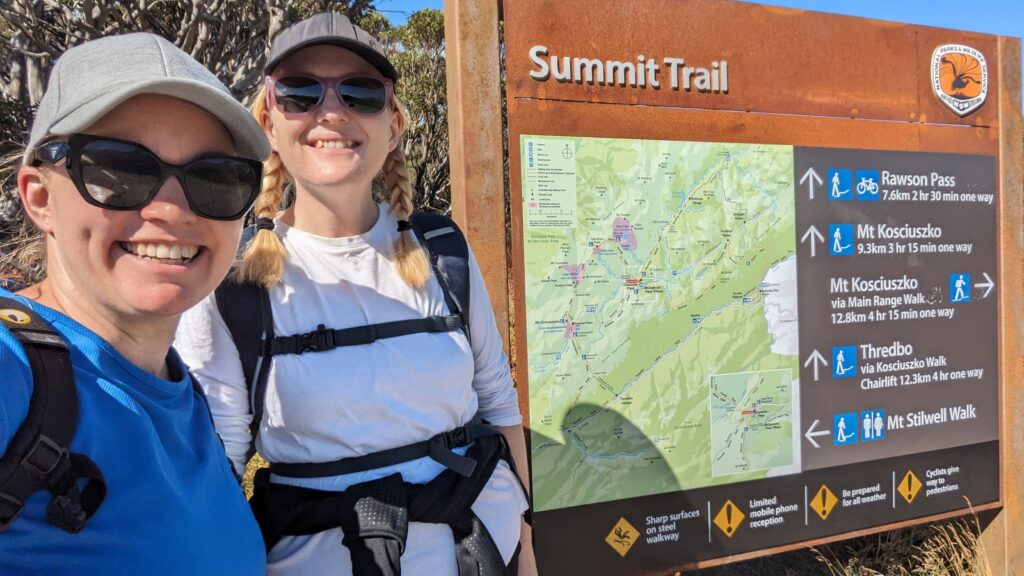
(952, 548)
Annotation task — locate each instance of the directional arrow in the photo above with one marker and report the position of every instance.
(813, 234)
(811, 175)
(811, 433)
(815, 358)
(987, 285)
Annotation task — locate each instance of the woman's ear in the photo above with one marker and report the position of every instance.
(35, 197)
(397, 127)
(268, 127)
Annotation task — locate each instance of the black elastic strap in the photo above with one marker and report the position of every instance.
(404, 225)
(264, 224)
(324, 338)
(438, 448)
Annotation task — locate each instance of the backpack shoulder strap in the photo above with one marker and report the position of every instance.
(449, 258)
(38, 456)
(245, 308)
(246, 311)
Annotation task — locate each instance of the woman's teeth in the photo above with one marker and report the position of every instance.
(171, 253)
(334, 144)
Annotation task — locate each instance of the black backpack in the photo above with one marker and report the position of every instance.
(38, 457)
(246, 310)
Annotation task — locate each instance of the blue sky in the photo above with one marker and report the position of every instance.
(1005, 17)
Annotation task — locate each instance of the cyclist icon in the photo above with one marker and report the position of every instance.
(867, 186)
(868, 189)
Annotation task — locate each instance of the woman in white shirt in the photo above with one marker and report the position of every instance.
(336, 258)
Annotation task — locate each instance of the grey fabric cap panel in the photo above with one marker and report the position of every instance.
(334, 29)
(91, 79)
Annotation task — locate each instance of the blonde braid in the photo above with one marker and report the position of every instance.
(263, 261)
(410, 257)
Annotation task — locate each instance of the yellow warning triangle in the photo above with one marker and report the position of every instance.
(729, 518)
(622, 537)
(823, 502)
(909, 487)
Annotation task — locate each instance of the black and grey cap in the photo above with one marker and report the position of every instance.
(91, 79)
(334, 29)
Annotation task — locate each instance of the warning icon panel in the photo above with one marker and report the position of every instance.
(622, 537)
(729, 518)
(823, 502)
(909, 487)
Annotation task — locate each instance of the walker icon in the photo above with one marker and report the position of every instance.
(960, 287)
(872, 425)
(867, 186)
(840, 239)
(844, 361)
(840, 184)
(844, 429)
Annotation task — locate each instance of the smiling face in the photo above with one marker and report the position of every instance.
(331, 146)
(157, 261)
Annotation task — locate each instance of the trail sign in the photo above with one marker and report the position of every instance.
(749, 289)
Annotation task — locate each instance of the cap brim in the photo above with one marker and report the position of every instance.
(366, 53)
(249, 138)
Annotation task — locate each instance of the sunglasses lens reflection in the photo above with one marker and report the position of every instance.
(220, 187)
(118, 174)
(363, 95)
(297, 94)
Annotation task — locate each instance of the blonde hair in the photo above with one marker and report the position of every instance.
(263, 260)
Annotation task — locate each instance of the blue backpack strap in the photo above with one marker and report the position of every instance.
(246, 311)
(449, 258)
(38, 456)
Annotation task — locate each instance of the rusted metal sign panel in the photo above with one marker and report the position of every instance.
(757, 276)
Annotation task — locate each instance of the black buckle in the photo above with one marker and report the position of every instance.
(456, 438)
(10, 507)
(440, 450)
(316, 341)
(51, 457)
(67, 513)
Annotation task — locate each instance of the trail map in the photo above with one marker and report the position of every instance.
(661, 315)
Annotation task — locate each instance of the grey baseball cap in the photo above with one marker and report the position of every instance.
(334, 29)
(91, 79)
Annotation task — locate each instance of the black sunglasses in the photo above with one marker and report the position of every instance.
(122, 175)
(299, 94)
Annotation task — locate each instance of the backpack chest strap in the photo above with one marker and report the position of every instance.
(323, 338)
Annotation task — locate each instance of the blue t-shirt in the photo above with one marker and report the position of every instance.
(172, 506)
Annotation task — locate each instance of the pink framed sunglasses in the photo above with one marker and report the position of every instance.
(303, 93)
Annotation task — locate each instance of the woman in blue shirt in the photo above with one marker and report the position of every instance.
(138, 170)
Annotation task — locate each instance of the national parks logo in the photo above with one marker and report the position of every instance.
(959, 77)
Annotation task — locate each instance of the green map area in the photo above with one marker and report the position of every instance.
(661, 315)
(750, 412)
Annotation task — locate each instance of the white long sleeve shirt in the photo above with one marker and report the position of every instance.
(358, 400)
